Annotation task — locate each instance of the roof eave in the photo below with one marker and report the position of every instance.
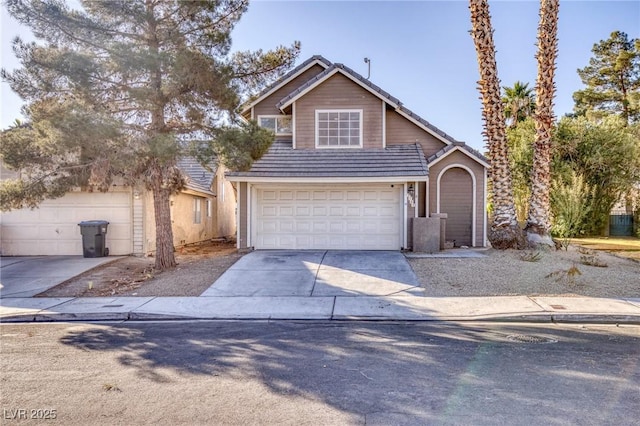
(463, 151)
(381, 94)
(326, 179)
(316, 61)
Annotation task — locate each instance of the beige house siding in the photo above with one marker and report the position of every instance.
(338, 92)
(225, 205)
(458, 158)
(221, 223)
(402, 131)
(185, 230)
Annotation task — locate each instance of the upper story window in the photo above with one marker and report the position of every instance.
(279, 124)
(339, 128)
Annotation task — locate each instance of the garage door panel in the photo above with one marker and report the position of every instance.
(319, 241)
(269, 195)
(320, 227)
(52, 229)
(336, 227)
(286, 211)
(340, 217)
(370, 212)
(336, 211)
(320, 195)
(269, 226)
(353, 211)
(303, 211)
(319, 211)
(288, 226)
(303, 226)
(116, 231)
(270, 211)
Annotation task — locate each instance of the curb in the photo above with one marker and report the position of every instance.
(504, 318)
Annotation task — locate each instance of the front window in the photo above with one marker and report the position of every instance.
(338, 128)
(279, 124)
(197, 210)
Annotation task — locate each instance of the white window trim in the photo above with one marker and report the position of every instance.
(320, 111)
(276, 116)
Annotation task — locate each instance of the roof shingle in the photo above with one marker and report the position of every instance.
(283, 161)
(198, 177)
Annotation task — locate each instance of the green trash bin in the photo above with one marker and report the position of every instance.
(94, 238)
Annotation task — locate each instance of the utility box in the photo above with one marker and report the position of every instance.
(94, 234)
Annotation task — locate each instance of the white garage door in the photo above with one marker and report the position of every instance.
(340, 217)
(52, 229)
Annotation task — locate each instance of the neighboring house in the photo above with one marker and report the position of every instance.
(351, 167)
(203, 210)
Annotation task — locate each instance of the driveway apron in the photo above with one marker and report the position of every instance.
(26, 276)
(318, 273)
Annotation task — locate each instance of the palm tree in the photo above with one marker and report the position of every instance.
(504, 231)
(519, 102)
(538, 220)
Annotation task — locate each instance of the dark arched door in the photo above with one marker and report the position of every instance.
(456, 200)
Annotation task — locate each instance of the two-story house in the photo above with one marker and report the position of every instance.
(350, 168)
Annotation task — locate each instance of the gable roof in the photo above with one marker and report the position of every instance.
(198, 177)
(314, 60)
(398, 162)
(372, 88)
(458, 146)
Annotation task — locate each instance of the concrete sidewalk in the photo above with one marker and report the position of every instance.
(400, 307)
(296, 285)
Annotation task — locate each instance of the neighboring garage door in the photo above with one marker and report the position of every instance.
(52, 229)
(456, 200)
(340, 217)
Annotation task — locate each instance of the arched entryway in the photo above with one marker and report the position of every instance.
(456, 198)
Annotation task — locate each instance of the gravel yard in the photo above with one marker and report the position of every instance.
(504, 273)
(498, 273)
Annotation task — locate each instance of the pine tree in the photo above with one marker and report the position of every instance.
(124, 88)
(612, 78)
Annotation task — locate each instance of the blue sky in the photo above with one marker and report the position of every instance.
(421, 51)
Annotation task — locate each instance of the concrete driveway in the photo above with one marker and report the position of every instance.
(26, 276)
(318, 273)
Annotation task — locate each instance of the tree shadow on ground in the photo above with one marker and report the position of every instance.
(393, 372)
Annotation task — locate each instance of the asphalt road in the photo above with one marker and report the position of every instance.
(319, 373)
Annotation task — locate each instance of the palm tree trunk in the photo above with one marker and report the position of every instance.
(504, 231)
(538, 221)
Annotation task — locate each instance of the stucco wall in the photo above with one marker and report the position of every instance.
(225, 206)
